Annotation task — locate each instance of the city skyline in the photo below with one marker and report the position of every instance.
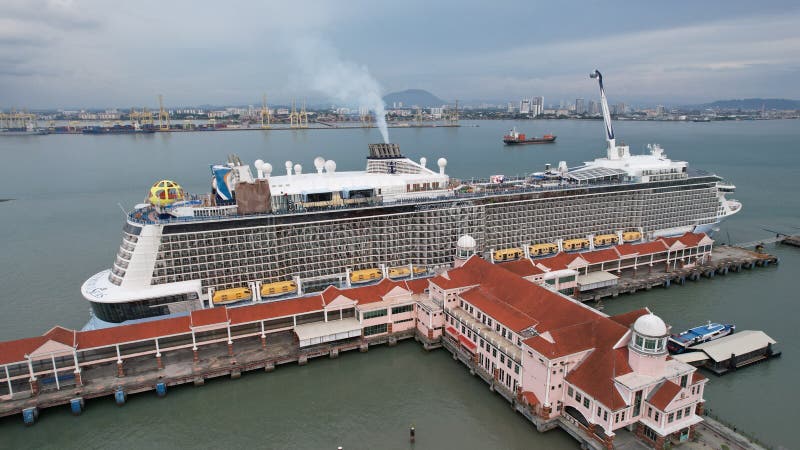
(59, 54)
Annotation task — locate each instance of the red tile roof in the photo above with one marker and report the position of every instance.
(596, 334)
(62, 335)
(663, 395)
(600, 256)
(417, 285)
(15, 351)
(595, 375)
(466, 343)
(559, 261)
(363, 294)
(530, 398)
(698, 377)
(522, 267)
(210, 316)
(647, 248)
(131, 333)
(273, 310)
(506, 314)
(627, 319)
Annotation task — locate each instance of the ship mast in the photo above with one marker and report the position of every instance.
(612, 143)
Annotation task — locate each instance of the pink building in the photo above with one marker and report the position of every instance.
(567, 364)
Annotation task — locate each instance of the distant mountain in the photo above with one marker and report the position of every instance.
(751, 104)
(411, 97)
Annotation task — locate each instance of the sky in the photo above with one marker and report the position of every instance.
(78, 54)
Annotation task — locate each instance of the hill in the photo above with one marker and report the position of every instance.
(752, 104)
(410, 97)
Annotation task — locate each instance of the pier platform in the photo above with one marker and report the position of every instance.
(724, 260)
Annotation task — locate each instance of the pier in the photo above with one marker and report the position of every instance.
(724, 260)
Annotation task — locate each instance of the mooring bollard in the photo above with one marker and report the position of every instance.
(76, 406)
(120, 397)
(412, 434)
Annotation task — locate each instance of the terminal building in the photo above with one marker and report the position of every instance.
(605, 379)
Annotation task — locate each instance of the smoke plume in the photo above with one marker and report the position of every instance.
(323, 70)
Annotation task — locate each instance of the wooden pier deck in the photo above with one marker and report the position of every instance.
(144, 373)
(724, 259)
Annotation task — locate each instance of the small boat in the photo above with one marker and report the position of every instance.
(542, 249)
(507, 254)
(679, 343)
(278, 288)
(571, 245)
(514, 138)
(365, 275)
(631, 236)
(229, 296)
(601, 240)
(400, 272)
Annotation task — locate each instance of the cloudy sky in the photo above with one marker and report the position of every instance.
(75, 53)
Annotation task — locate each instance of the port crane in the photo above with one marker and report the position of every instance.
(163, 115)
(265, 115)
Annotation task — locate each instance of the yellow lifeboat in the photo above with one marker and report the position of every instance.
(575, 244)
(507, 254)
(278, 288)
(605, 239)
(542, 249)
(365, 275)
(399, 272)
(419, 270)
(631, 236)
(228, 296)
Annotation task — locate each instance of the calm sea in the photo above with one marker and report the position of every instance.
(64, 224)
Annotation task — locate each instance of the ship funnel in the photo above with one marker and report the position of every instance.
(288, 168)
(319, 163)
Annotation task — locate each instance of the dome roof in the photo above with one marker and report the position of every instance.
(165, 192)
(650, 325)
(466, 241)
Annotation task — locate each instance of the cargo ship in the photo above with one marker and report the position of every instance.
(308, 229)
(514, 138)
(679, 343)
(118, 129)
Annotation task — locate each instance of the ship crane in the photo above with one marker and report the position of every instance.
(614, 152)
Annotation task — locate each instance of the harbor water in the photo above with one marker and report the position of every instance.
(63, 224)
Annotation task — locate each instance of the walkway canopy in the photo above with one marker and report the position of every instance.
(321, 332)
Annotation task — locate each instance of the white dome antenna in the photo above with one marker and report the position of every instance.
(319, 163)
(330, 166)
(298, 169)
(288, 168)
(259, 167)
(442, 164)
(423, 161)
(267, 169)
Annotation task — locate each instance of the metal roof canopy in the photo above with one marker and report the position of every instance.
(736, 344)
(691, 357)
(595, 173)
(319, 332)
(594, 280)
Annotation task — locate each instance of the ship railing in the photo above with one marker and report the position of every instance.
(141, 217)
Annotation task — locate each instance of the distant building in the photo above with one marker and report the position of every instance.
(580, 106)
(661, 110)
(537, 106)
(525, 106)
(436, 113)
(594, 107)
(511, 107)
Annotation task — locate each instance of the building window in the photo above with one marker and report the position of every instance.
(402, 309)
(586, 402)
(569, 391)
(605, 416)
(657, 416)
(578, 397)
(375, 329)
(687, 411)
(599, 411)
(671, 418)
(373, 314)
(649, 412)
(502, 358)
(650, 434)
(516, 369)
(616, 418)
(494, 352)
(680, 414)
(684, 379)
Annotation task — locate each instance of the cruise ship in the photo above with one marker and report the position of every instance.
(258, 236)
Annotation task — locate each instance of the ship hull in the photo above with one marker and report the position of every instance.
(530, 141)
